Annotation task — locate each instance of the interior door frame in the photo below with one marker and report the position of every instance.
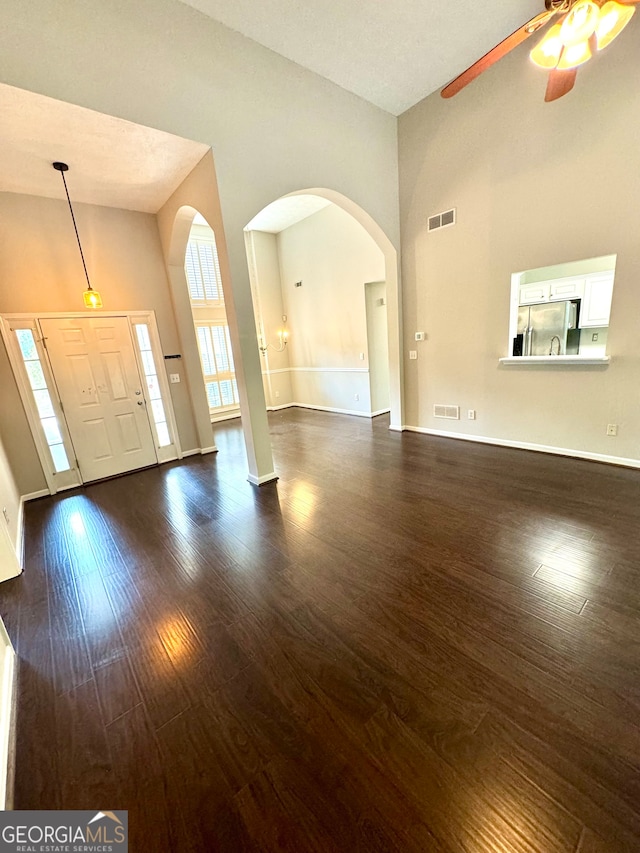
(72, 478)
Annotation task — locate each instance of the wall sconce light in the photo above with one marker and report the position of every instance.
(92, 298)
(283, 338)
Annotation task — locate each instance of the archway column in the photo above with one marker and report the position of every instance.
(199, 193)
(242, 328)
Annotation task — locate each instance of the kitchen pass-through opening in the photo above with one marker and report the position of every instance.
(562, 310)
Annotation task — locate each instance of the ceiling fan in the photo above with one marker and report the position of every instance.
(582, 28)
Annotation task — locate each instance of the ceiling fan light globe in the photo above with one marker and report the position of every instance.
(580, 23)
(614, 17)
(574, 55)
(547, 52)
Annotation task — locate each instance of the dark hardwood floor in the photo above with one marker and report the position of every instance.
(406, 644)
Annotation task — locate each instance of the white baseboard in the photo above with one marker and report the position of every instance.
(334, 410)
(329, 409)
(7, 719)
(397, 428)
(20, 533)
(259, 481)
(228, 417)
(525, 445)
(32, 496)
(199, 451)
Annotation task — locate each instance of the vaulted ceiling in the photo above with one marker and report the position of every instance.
(391, 54)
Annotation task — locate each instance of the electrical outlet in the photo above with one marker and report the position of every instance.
(419, 336)
(277, 394)
(471, 414)
(612, 429)
(413, 354)
(356, 397)
(594, 336)
(174, 377)
(361, 356)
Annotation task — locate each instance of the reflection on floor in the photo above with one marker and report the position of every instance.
(408, 643)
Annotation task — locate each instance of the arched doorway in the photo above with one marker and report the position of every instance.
(198, 195)
(317, 335)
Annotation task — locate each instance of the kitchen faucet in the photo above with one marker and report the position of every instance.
(551, 352)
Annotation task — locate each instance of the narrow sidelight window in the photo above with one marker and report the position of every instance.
(153, 387)
(40, 391)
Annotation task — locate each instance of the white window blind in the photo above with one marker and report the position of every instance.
(214, 343)
(202, 269)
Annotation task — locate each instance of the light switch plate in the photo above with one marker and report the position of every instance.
(174, 377)
(413, 354)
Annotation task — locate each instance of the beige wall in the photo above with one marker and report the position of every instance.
(16, 436)
(266, 285)
(41, 271)
(9, 503)
(534, 184)
(333, 256)
(375, 295)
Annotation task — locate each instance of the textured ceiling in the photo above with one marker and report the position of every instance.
(111, 162)
(391, 54)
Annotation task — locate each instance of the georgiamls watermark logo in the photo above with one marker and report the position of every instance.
(64, 832)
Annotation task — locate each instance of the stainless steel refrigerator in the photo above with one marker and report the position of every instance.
(544, 327)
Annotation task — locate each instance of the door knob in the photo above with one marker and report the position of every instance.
(141, 402)
(138, 393)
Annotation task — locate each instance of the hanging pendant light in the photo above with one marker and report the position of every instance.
(92, 298)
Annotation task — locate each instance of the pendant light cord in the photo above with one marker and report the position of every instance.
(76, 230)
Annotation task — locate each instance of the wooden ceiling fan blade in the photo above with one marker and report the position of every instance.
(496, 53)
(559, 83)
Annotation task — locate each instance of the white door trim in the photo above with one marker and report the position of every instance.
(73, 478)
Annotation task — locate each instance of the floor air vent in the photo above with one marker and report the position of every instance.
(452, 413)
(441, 220)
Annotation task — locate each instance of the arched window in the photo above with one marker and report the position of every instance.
(202, 270)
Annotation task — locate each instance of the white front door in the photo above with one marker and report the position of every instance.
(95, 369)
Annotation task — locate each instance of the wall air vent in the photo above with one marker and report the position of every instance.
(442, 220)
(452, 413)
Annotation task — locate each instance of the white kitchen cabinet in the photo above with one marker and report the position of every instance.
(566, 288)
(531, 293)
(596, 304)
